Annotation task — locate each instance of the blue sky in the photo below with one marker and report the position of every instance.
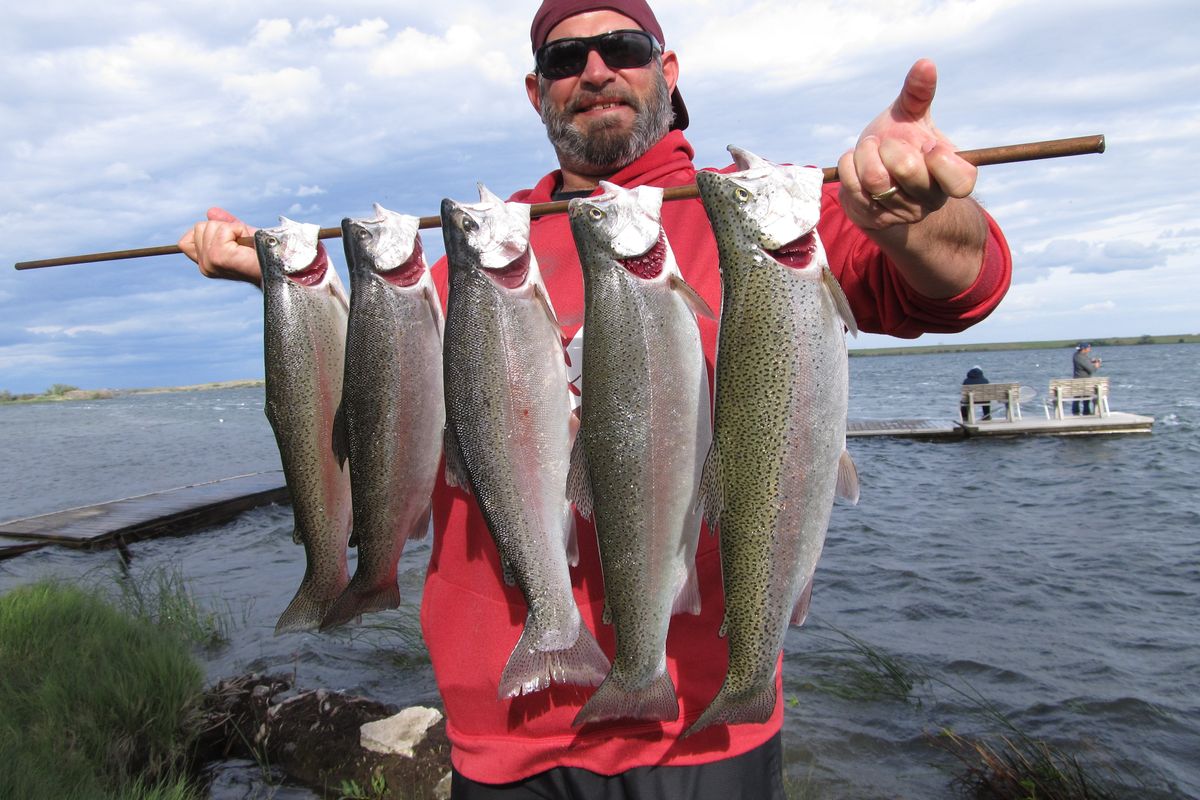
(123, 122)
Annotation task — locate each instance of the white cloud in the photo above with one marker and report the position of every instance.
(275, 96)
(271, 32)
(366, 34)
(412, 52)
(122, 124)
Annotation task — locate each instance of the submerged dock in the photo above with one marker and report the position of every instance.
(190, 508)
(169, 512)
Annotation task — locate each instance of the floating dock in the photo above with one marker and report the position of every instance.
(1114, 422)
(905, 428)
(190, 508)
(116, 523)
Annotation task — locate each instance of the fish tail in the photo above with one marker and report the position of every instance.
(531, 668)
(305, 611)
(612, 700)
(309, 606)
(358, 599)
(755, 704)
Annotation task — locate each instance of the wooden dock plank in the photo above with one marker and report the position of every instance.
(1115, 422)
(16, 547)
(905, 428)
(155, 514)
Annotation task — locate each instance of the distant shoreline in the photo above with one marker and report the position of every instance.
(60, 394)
(1114, 341)
(72, 393)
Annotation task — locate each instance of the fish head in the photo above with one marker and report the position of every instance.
(490, 236)
(621, 226)
(775, 205)
(387, 245)
(292, 252)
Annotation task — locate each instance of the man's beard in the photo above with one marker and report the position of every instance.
(604, 148)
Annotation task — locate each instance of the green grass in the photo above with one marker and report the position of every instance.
(1018, 767)
(93, 703)
(162, 596)
(1010, 764)
(396, 632)
(857, 671)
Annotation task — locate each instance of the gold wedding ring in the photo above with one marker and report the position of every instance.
(885, 194)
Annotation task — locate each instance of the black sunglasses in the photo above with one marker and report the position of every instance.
(564, 58)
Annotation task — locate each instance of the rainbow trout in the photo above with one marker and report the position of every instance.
(779, 440)
(304, 341)
(508, 432)
(645, 427)
(392, 404)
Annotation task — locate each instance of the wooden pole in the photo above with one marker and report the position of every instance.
(1006, 154)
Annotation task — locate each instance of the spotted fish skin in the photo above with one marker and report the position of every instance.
(778, 453)
(304, 338)
(645, 427)
(392, 403)
(508, 433)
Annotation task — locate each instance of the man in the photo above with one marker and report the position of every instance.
(975, 377)
(1083, 366)
(913, 253)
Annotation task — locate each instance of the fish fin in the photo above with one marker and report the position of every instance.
(338, 293)
(655, 701)
(297, 536)
(723, 631)
(358, 600)
(420, 528)
(840, 303)
(531, 669)
(847, 478)
(456, 471)
(507, 572)
(571, 535)
(429, 292)
(694, 301)
(755, 704)
(687, 601)
(308, 607)
(340, 439)
(711, 497)
(539, 291)
(800, 611)
(579, 480)
(606, 616)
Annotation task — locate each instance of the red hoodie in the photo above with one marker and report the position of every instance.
(471, 620)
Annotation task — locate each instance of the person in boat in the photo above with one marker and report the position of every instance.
(914, 253)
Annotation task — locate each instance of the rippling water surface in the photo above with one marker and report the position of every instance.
(1053, 581)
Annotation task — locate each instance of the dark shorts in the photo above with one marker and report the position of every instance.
(757, 774)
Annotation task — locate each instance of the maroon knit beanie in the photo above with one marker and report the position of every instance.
(553, 12)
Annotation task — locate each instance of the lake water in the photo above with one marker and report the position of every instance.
(1055, 581)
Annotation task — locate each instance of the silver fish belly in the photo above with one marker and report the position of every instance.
(392, 410)
(645, 427)
(778, 454)
(508, 433)
(305, 312)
